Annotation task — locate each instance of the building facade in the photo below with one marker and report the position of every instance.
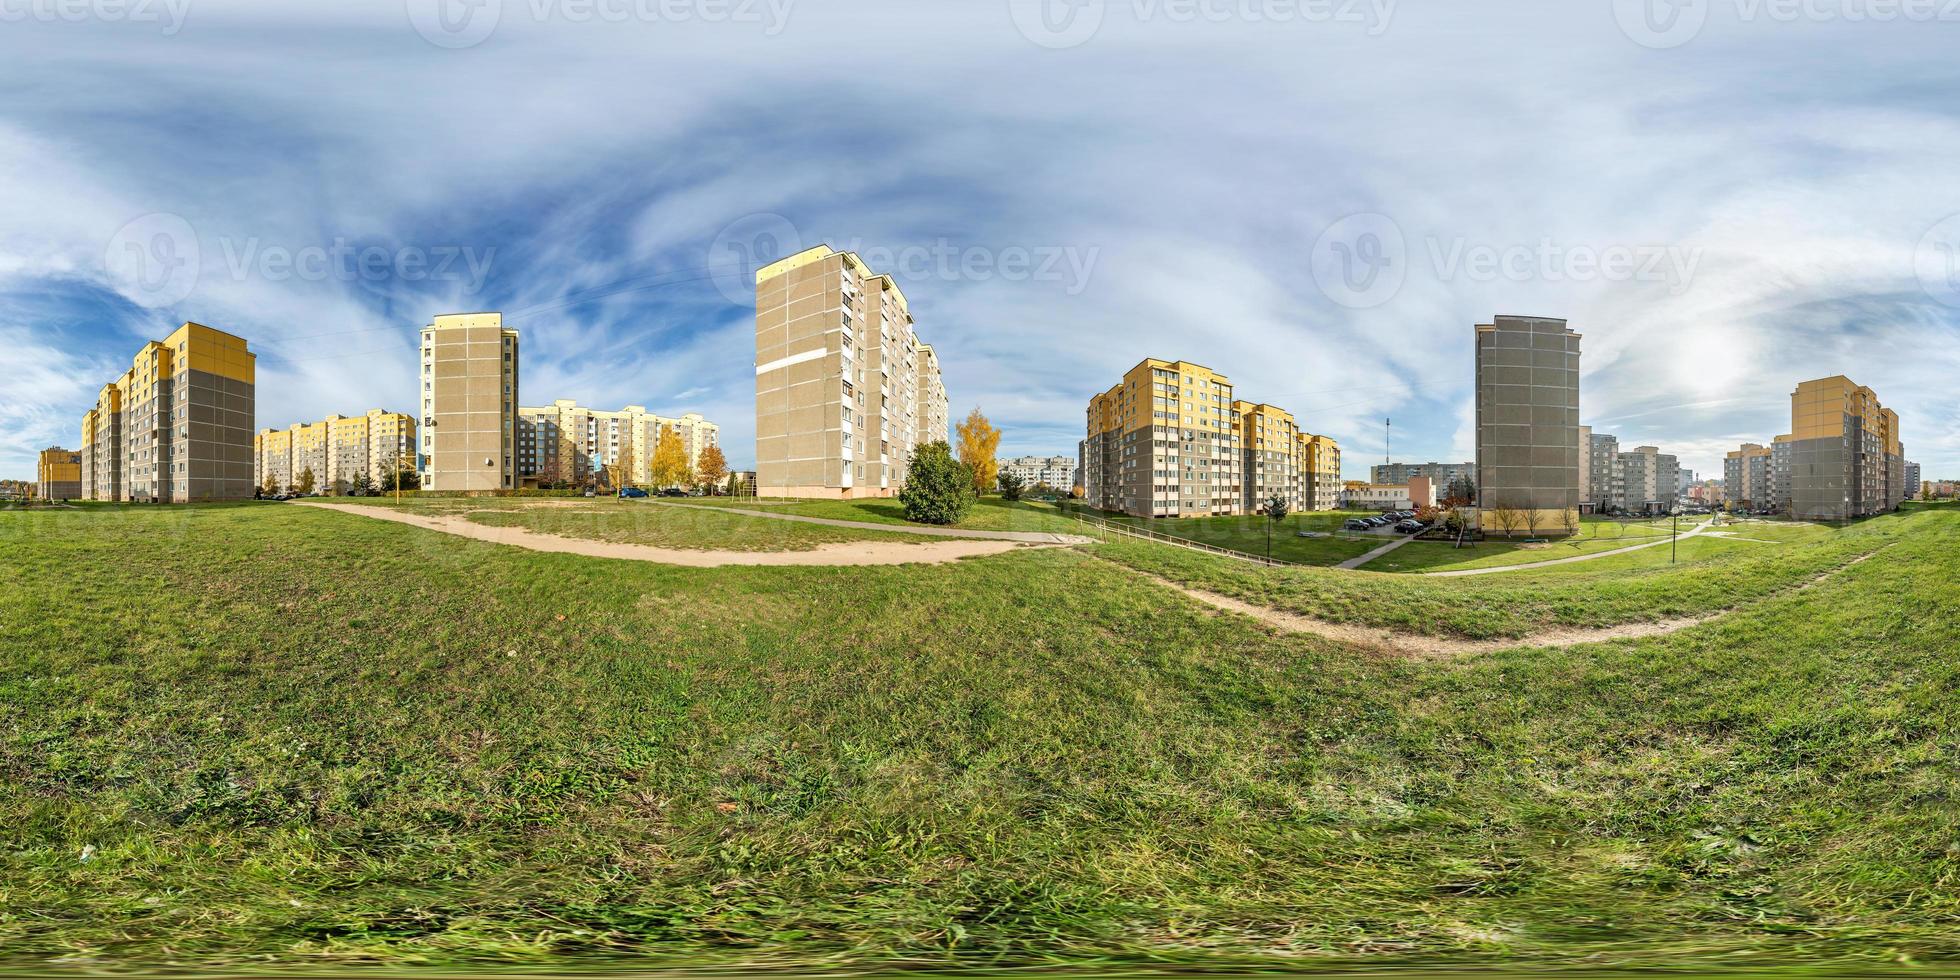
(1057, 472)
(1603, 489)
(1649, 481)
(1320, 473)
(469, 404)
(1418, 493)
(1527, 423)
(1269, 447)
(58, 475)
(338, 450)
(1164, 443)
(844, 390)
(177, 426)
(1746, 477)
(1846, 459)
(1915, 487)
(1440, 474)
(565, 443)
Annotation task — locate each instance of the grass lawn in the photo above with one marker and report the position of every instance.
(283, 738)
(1595, 593)
(631, 522)
(988, 514)
(1442, 556)
(1248, 534)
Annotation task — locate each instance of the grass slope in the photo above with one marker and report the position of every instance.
(634, 522)
(279, 736)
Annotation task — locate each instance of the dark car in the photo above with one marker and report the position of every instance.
(632, 493)
(1356, 524)
(673, 492)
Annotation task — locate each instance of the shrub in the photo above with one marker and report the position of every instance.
(938, 488)
(1010, 487)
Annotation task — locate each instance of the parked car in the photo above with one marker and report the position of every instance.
(632, 493)
(1356, 524)
(673, 492)
(1410, 527)
(590, 492)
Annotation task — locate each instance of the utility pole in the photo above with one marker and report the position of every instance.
(1674, 546)
(1388, 434)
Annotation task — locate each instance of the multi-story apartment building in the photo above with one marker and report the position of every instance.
(1057, 472)
(1914, 485)
(566, 443)
(1165, 443)
(1269, 446)
(469, 403)
(177, 426)
(338, 450)
(1602, 487)
(1846, 459)
(58, 475)
(1649, 481)
(1779, 474)
(1320, 473)
(1746, 477)
(844, 390)
(1440, 474)
(1527, 423)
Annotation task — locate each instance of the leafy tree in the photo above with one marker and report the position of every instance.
(1463, 489)
(305, 484)
(270, 488)
(670, 467)
(979, 440)
(712, 467)
(735, 486)
(1276, 508)
(403, 479)
(341, 486)
(363, 484)
(1010, 486)
(938, 488)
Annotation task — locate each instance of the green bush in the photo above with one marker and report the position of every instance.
(938, 488)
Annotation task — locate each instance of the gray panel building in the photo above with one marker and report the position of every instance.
(1527, 425)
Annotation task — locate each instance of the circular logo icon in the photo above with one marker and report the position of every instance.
(153, 260)
(455, 23)
(1937, 261)
(1361, 260)
(1057, 23)
(1661, 24)
(748, 244)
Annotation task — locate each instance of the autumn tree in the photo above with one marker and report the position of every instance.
(305, 484)
(670, 467)
(979, 440)
(270, 488)
(712, 467)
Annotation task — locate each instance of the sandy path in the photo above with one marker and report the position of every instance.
(841, 554)
(1413, 645)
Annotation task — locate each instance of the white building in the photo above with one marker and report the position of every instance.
(1055, 471)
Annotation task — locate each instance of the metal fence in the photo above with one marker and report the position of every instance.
(1108, 528)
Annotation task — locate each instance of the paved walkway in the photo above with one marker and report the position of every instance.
(1498, 569)
(1024, 537)
(852, 553)
(1352, 563)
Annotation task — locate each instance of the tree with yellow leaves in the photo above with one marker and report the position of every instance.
(711, 467)
(670, 466)
(979, 440)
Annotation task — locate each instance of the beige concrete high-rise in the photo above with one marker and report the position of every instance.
(844, 390)
(1527, 426)
(469, 403)
(1320, 473)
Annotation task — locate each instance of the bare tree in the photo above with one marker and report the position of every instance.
(1508, 516)
(1571, 518)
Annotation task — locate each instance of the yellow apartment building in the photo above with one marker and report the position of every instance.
(565, 443)
(1846, 457)
(177, 426)
(58, 475)
(1320, 473)
(339, 450)
(1269, 441)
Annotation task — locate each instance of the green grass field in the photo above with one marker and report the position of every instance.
(1249, 534)
(988, 514)
(634, 522)
(1443, 556)
(277, 738)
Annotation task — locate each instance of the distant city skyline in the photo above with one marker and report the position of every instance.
(1337, 201)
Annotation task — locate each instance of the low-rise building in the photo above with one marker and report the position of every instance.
(58, 475)
(1413, 495)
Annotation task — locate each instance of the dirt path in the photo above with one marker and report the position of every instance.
(852, 553)
(1025, 537)
(1431, 647)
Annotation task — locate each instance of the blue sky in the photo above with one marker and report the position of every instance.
(1318, 199)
